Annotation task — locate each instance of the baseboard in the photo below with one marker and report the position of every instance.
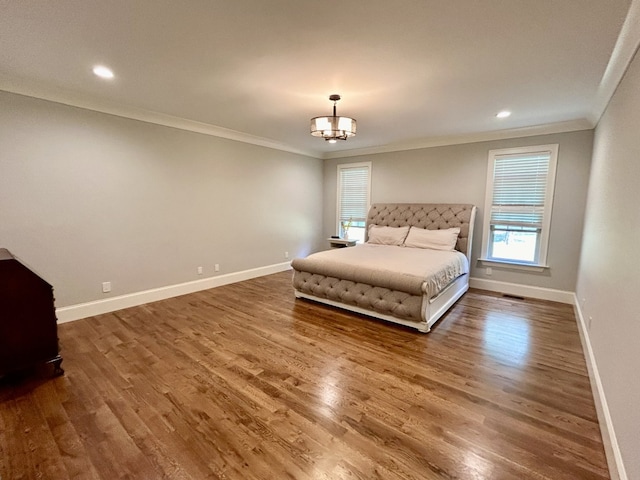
(523, 290)
(609, 440)
(611, 447)
(83, 310)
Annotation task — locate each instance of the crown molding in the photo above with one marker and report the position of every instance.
(623, 53)
(551, 128)
(66, 97)
(86, 102)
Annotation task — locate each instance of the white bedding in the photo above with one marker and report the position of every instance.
(393, 264)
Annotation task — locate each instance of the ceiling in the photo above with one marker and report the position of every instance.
(409, 71)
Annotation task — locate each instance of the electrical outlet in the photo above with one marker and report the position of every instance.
(286, 254)
(199, 270)
(216, 267)
(106, 287)
(489, 271)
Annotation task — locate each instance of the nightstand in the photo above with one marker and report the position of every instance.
(341, 242)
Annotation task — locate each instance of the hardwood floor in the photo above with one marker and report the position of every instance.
(245, 382)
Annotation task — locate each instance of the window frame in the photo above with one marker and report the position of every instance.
(542, 241)
(345, 166)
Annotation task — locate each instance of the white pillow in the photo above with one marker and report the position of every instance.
(444, 239)
(387, 235)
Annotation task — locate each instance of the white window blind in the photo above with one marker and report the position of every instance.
(520, 189)
(354, 193)
(518, 205)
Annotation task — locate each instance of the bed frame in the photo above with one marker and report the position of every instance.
(427, 309)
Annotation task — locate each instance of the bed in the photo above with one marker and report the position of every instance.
(412, 268)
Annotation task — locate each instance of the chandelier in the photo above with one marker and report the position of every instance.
(333, 128)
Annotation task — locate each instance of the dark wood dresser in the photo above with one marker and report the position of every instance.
(28, 328)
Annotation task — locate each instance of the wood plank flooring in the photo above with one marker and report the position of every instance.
(245, 382)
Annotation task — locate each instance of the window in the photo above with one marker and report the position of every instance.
(518, 203)
(354, 191)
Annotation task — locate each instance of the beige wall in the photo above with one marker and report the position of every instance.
(87, 197)
(608, 280)
(457, 174)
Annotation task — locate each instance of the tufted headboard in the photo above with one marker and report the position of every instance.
(432, 216)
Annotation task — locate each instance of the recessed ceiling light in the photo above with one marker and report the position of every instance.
(102, 71)
(503, 114)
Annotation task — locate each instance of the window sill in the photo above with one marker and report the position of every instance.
(513, 265)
